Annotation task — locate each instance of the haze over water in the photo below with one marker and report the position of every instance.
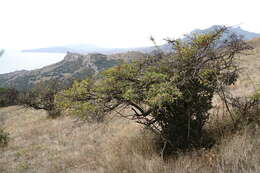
(15, 60)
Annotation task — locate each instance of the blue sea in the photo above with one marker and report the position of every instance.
(16, 60)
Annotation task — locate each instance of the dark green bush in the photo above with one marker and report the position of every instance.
(8, 97)
(42, 97)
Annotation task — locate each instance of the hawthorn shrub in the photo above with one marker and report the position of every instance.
(74, 101)
(169, 93)
(42, 97)
(246, 110)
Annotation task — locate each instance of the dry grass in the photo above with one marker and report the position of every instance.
(45, 145)
(250, 71)
(42, 145)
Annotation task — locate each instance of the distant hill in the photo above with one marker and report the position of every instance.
(88, 48)
(246, 35)
(237, 30)
(79, 48)
(73, 66)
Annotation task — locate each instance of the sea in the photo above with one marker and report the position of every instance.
(12, 61)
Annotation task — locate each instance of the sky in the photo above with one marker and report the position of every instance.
(27, 24)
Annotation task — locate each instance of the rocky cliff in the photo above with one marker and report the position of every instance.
(73, 66)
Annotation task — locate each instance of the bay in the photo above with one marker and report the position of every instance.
(12, 61)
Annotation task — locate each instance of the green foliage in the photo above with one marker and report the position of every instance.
(170, 94)
(73, 100)
(4, 138)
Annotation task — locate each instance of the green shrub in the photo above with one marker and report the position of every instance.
(74, 101)
(171, 93)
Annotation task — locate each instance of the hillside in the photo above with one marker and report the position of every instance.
(68, 145)
(73, 66)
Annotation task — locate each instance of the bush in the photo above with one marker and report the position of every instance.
(4, 138)
(74, 101)
(171, 93)
(42, 97)
(8, 97)
(246, 109)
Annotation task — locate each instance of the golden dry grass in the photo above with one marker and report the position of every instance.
(65, 145)
(40, 144)
(43, 145)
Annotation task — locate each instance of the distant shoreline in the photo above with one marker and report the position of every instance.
(12, 61)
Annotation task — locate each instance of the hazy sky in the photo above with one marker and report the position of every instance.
(115, 23)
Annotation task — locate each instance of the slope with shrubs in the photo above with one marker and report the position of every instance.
(170, 94)
(116, 145)
(39, 144)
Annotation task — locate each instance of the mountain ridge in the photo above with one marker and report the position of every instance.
(88, 48)
(74, 66)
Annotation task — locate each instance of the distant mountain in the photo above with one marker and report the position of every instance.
(73, 66)
(237, 30)
(88, 48)
(246, 35)
(79, 48)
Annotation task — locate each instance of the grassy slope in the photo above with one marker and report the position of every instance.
(39, 144)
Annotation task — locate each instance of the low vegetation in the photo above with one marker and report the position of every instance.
(8, 97)
(203, 114)
(42, 97)
(43, 145)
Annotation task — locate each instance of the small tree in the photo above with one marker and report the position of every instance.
(171, 93)
(42, 97)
